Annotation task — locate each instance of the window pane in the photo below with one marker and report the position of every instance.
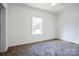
(36, 25)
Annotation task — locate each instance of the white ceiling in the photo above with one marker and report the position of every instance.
(47, 6)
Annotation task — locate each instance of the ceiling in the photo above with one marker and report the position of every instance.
(47, 6)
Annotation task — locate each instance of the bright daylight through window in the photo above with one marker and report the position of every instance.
(36, 25)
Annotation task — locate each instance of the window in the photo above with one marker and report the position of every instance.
(36, 25)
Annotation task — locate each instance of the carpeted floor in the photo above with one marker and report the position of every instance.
(47, 48)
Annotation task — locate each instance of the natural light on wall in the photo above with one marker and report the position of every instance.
(53, 4)
(36, 25)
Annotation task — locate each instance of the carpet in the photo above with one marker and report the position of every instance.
(53, 48)
(48, 48)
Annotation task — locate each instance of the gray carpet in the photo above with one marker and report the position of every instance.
(52, 48)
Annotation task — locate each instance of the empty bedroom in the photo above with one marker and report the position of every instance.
(39, 29)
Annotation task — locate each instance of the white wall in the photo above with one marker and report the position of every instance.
(19, 25)
(5, 5)
(0, 28)
(3, 40)
(68, 24)
(3, 29)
